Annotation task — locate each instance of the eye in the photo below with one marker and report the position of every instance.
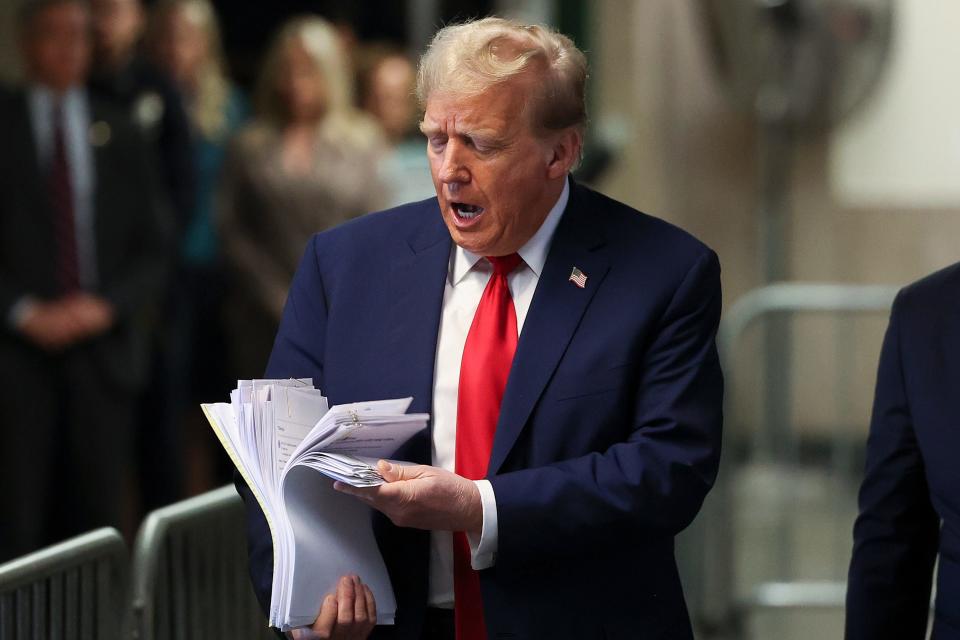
(437, 142)
(482, 146)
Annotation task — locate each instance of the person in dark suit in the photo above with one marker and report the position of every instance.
(910, 496)
(121, 75)
(563, 343)
(124, 77)
(81, 258)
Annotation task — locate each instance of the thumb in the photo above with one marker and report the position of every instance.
(390, 472)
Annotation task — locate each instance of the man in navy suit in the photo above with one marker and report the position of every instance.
(910, 497)
(563, 343)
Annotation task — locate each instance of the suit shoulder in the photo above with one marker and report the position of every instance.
(930, 295)
(379, 233)
(381, 225)
(14, 98)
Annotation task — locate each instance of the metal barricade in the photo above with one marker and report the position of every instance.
(74, 589)
(708, 550)
(190, 577)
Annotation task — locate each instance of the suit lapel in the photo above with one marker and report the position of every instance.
(104, 189)
(554, 315)
(416, 289)
(25, 146)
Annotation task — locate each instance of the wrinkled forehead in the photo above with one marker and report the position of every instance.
(501, 107)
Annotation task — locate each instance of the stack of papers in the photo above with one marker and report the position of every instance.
(280, 434)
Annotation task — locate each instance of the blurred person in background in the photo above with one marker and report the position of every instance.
(122, 75)
(307, 162)
(82, 258)
(387, 83)
(184, 43)
(910, 496)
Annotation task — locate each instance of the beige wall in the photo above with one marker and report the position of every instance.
(689, 158)
(8, 41)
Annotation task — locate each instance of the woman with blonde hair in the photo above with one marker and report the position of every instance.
(307, 162)
(184, 41)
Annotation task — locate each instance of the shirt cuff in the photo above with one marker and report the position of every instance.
(483, 552)
(19, 311)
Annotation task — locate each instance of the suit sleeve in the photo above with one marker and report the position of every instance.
(653, 483)
(896, 533)
(296, 353)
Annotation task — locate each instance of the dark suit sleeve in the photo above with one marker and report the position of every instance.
(896, 533)
(296, 353)
(650, 485)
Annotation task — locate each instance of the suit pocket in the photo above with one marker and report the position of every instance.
(578, 385)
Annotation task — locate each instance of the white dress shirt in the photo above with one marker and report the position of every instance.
(467, 278)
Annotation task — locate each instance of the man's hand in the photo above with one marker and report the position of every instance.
(61, 323)
(423, 497)
(351, 614)
(49, 325)
(92, 313)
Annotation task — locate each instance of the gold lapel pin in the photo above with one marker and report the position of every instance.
(99, 133)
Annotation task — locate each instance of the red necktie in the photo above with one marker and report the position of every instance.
(487, 356)
(61, 199)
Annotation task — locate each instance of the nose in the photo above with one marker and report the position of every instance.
(453, 169)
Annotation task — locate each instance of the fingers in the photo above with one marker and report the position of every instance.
(368, 494)
(350, 613)
(392, 472)
(371, 605)
(346, 593)
(359, 601)
(327, 620)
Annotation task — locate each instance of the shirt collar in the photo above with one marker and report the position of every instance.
(43, 95)
(534, 252)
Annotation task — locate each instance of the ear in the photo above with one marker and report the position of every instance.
(564, 152)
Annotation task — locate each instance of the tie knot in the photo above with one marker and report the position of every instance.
(504, 265)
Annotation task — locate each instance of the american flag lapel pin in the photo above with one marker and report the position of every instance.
(578, 278)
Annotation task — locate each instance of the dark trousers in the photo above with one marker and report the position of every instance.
(64, 446)
(438, 625)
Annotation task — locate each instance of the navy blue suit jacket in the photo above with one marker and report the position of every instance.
(609, 432)
(912, 482)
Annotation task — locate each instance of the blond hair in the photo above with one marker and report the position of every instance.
(208, 110)
(341, 121)
(466, 59)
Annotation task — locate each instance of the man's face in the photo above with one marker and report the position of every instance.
(495, 180)
(116, 25)
(56, 46)
(181, 46)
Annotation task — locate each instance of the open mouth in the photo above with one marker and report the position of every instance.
(466, 211)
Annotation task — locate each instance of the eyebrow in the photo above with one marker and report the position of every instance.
(484, 134)
(428, 129)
